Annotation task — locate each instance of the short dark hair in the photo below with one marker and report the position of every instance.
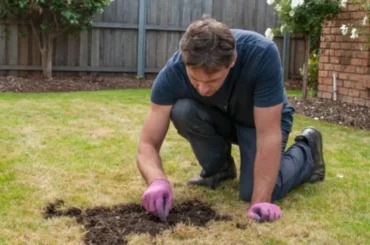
(209, 44)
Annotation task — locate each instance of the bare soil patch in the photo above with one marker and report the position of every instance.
(110, 225)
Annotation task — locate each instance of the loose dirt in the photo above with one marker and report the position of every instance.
(110, 225)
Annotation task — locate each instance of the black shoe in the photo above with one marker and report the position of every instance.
(227, 172)
(313, 138)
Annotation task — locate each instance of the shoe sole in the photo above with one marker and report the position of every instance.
(322, 156)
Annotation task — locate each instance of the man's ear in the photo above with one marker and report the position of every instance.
(233, 63)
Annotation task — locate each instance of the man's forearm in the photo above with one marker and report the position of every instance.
(149, 163)
(267, 165)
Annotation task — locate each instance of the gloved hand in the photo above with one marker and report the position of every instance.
(264, 211)
(157, 199)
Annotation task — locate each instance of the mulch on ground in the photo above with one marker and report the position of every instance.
(335, 112)
(35, 84)
(110, 225)
(293, 84)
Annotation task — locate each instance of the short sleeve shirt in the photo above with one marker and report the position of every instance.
(255, 80)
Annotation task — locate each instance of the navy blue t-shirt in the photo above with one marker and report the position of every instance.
(255, 80)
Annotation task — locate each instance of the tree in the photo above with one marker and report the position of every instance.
(52, 18)
(306, 17)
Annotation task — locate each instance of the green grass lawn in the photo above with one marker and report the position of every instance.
(80, 147)
(299, 93)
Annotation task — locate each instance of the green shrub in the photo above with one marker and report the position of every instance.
(313, 72)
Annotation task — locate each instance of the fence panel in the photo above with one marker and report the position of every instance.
(112, 44)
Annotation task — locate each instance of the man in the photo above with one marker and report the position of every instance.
(225, 87)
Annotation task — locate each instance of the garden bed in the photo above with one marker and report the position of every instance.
(335, 112)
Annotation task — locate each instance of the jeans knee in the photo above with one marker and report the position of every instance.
(183, 112)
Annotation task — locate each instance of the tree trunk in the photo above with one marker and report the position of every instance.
(47, 55)
(305, 67)
(46, 49)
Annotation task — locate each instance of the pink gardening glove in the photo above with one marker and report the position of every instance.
(157, 199)
(264, 211)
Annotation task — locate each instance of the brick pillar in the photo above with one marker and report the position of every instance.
(342, 55)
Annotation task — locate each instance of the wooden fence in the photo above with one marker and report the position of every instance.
(131, 34)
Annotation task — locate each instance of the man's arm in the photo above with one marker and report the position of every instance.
(267, 162)
(154, 130)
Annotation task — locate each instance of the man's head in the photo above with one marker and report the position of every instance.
(208, 51)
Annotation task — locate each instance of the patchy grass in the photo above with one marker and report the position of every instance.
(80, 147)
(299, 93)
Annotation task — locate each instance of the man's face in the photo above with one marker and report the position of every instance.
(207, 84)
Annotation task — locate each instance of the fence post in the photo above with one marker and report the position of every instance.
(286, 55)
(141, 39)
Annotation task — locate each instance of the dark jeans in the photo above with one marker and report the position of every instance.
(211, 133)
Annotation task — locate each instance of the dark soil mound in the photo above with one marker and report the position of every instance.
(106, 225)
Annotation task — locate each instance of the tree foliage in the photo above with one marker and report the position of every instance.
(306, 17)
(309, 15)
(52, 18)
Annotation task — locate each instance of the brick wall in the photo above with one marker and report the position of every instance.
(342, 55)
